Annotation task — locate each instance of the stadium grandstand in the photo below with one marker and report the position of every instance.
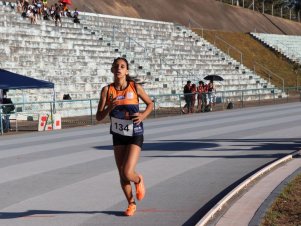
(289, 46)
(163, 41)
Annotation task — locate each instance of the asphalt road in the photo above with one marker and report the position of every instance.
(69, 177)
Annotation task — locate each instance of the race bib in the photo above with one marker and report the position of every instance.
(122, 126)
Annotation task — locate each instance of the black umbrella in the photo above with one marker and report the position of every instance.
(213, 78)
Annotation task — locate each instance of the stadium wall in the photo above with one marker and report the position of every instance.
(209, 14)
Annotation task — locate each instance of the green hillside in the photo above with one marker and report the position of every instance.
(253, 51)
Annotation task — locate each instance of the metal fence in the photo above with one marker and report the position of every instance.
(82, 112)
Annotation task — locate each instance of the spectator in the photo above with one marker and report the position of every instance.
(75, 16)
(1, 96)
(201, 90)
(19, 6)
(57, 15)
(211, 94)
(7, 109)
(187, 96)
(61, 8)
(65, 9)
(75, 13)
(52, 12)
(46, 13)
(193, 91)
(35, 13)
(39, 8)
(68, 13)
(12, 6)
(30, 15)
(25, 6)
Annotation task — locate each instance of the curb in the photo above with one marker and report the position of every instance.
(242, 186)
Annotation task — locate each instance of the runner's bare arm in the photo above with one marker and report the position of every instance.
(147, 100)
(103, 109)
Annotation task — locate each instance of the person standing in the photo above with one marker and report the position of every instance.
(57, 15)
(193, 91)
(211, 94)
(187, 96)
(7, 110)
(201, 96)
(120, 100)
(1, 96)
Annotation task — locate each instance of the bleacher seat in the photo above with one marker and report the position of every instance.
(287, 45)
(78, 57)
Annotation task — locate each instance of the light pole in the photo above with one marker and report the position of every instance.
(273, 9)
(281, 11)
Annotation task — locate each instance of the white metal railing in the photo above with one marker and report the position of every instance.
(270, 73)
(229, 47)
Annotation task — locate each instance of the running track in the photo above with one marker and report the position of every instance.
(69, 177)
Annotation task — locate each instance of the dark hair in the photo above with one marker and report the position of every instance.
(128, 77)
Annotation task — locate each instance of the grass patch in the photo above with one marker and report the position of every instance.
(286, 209)
(254, 51)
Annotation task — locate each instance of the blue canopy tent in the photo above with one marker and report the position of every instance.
(10, 80)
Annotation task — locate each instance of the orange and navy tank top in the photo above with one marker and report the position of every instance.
(127, 104)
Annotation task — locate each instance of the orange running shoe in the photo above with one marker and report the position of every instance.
(130, 211)
(140, 189)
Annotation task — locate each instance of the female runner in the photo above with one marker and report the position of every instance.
(121, 101)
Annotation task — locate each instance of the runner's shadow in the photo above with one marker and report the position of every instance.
(42, 213)
(170, 146)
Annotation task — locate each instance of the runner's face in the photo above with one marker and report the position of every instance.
(119, 69)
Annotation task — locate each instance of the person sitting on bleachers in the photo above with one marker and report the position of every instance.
(68, 13)
(46, 13)
(52, 12)
(35, 13)
(30, 15)
(75, 16)
(19, 6)
(65, 9)
(11, 5)
(75, 13)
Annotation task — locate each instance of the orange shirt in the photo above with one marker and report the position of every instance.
(127, 104)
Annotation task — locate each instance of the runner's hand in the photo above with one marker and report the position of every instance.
(137, 118)
(113, 104)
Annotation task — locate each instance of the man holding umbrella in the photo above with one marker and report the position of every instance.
(211, 89)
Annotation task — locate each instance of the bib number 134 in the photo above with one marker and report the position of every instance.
(122, 127)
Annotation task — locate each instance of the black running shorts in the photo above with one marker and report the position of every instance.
(126, 140)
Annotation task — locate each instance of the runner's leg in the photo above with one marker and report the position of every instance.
(121, 153)
(130, 163)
